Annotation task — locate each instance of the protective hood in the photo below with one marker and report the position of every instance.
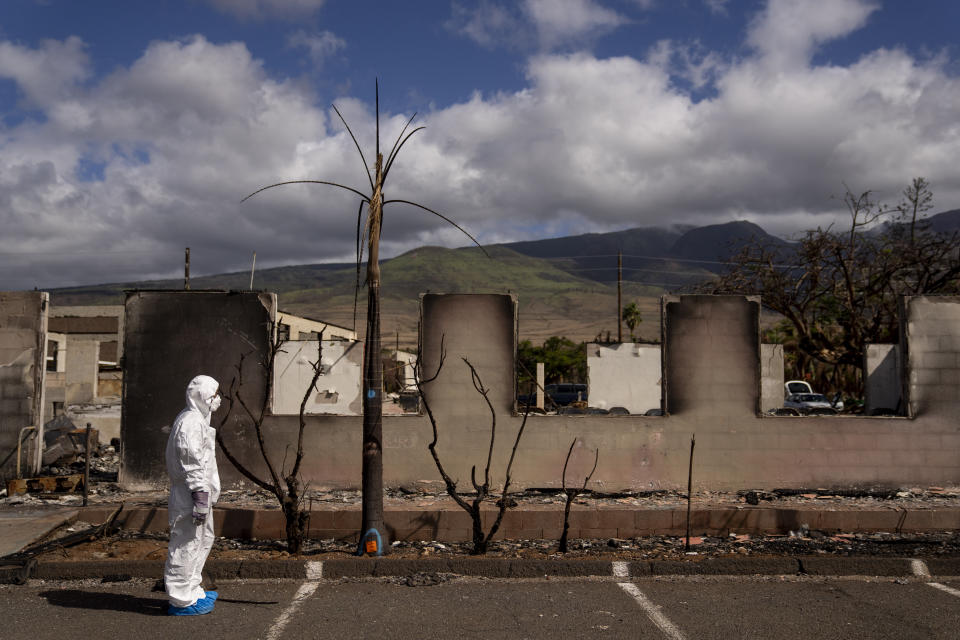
(200, 394)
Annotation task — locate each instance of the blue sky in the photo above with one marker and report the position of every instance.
(129, 130)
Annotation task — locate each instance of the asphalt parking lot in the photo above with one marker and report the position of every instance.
(448, 606)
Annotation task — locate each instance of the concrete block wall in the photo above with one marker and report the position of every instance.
(932, 347)
(713, 357)
(23, 353)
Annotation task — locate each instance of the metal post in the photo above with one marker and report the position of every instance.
(86, 467)
(186, 270)
(619, 296)
(252, 268)
(693, 441)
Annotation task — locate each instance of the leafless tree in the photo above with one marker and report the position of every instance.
(286, 485)
(373, 535)
(572, 493)
(472, 507)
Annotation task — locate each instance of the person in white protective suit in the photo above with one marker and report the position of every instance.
(194, 489)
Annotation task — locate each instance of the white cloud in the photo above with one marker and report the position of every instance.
(536, 24)
(717, 6)
(48, 73)
(488, 24)
(319, 46)
(786, 32)
(563, 22)
(126, 171)
(267, 8)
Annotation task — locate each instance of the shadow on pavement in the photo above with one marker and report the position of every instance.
(76, 599)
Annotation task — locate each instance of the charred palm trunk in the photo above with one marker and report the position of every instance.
(373, 538)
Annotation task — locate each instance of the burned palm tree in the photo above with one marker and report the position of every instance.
(373, 538)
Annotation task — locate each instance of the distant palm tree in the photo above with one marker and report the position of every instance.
(631, 316)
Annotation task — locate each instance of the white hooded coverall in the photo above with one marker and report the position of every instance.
(192, 466)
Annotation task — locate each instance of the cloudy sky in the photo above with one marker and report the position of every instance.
(130, 130)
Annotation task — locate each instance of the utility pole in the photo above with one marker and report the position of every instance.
(619, 296)
(186, 271)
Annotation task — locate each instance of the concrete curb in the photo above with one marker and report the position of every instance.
(297, 569)
(452, 524)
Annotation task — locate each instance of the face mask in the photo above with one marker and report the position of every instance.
(214, 403)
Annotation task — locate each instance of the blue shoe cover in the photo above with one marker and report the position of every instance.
(199, 608)
(211, 595)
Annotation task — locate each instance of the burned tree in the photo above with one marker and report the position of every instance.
(838, 290)
(373, 534)
(473, 506)
(572, 493)
(286, 486)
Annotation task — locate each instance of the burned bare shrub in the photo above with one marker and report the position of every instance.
(286, 486)
(572, 493)
(472, 506)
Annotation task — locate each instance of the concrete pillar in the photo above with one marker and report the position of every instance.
(82, 371)
(712, 354)
(541, 378)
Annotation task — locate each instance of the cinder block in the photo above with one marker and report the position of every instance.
(347, 519)
(552, 519)
(897, 442)
(699, 520)
(950, 377)
(921, 377)
(886, 520)
(554, 534)
(932, 520)
(584, 518)
(936, 360)
(942, 458)
(323, 519)
(838, 521)
(875, 458)
(615, 518)
(654, 522)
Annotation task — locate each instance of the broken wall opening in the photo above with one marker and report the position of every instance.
(339, 389)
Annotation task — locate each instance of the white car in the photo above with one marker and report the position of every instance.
(810, 403)
(799, 387)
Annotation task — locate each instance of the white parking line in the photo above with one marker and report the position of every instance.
(314, 573)
(622, 570)
(945, 588)
(653, 611)
(919, 568)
